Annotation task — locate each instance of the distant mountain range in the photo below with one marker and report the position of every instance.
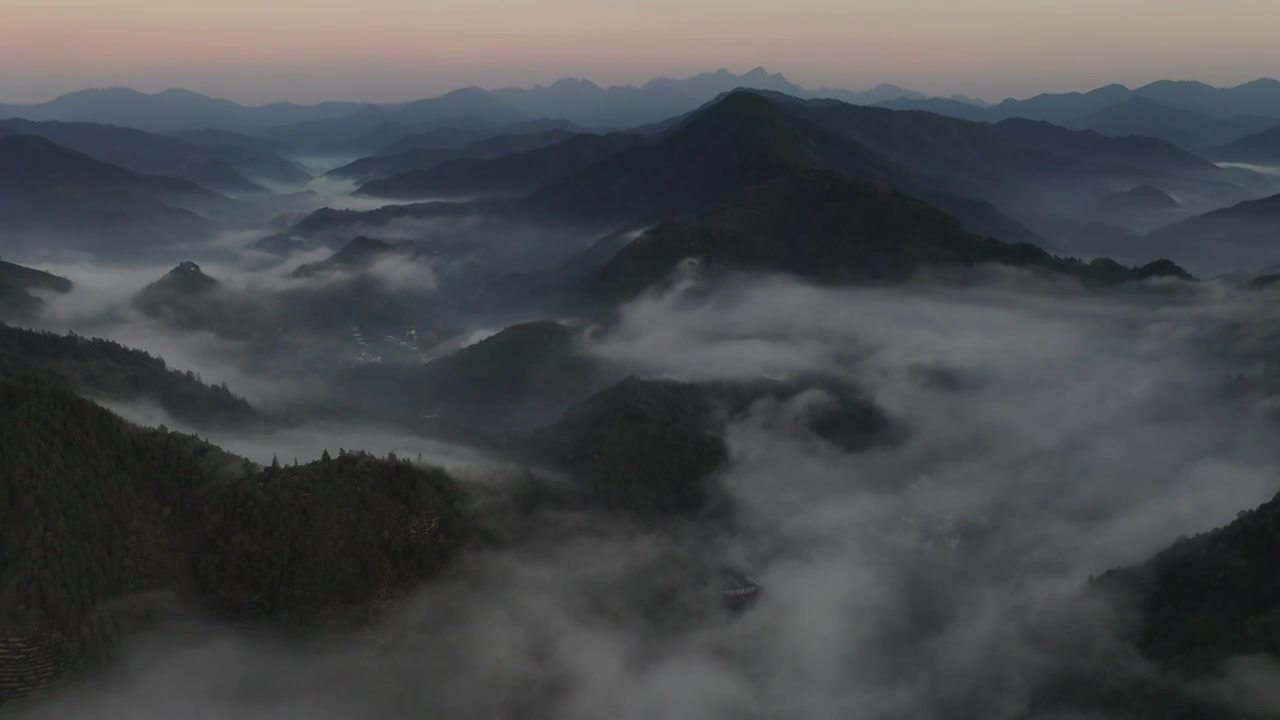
(994, 178)
(1243, 236)
(1190, 114)
(1264, 147)
(579, 101)
(968, 169)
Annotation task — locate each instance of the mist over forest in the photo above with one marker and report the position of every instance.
(718, 397)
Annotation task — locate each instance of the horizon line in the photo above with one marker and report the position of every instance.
(632, 86)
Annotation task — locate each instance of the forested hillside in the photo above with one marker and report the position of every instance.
(107, 370)
(94, 511)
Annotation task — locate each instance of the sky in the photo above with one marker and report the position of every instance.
(258, 51)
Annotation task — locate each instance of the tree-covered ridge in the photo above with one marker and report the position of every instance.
(16, 284)
(359, 254)
(1209, 598)
(95, 510)
(835, 230)
(106, 369)
(514, 381)
(16, 303)
(515, 172)
(650, 447)
(32, 279)
(297, 541)
(91, 507)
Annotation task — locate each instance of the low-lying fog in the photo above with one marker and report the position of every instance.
(1263, 169)
(1052, 434)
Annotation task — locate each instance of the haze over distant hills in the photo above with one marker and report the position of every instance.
(1191, 114)
(924, 374)
(47, 190)
(584, 101)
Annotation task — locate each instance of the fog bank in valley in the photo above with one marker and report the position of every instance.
(1048, 435)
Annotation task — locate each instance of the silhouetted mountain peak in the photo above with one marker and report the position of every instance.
(1112, 89)
(360, 253)
(465, 92)
(178, 93)
(1178, 84)
(186, 278)
(578, 84)
(1146, 196)
(741, 100)
(122, 93)
(365, 246)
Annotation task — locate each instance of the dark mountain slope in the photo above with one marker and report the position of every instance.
(358, 254)
(302, 542)
(16, 284)
(509, 174)
(823, 226)
(651, 447)
(1141, 197)
(1145, 117)
(95, 511)
(517, 380)
(188, 299)
(1209, 598)
(109, 371)
(16, 304)
(142, 152)
(442, 136)
(1140, 208)
(999, 155)
(214, 138)
(730, 146)
(1262, 148)
(49, 189)
(308, 311)
(384, 165)
(747, 138)
(940, 106)
(1043, 172)
(332, 228)
(31, 279)
(1242, 237)
(44, 169)
(256, 158)
(88, 505)
(375, 126)
(173, 109)
(1061, 107)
